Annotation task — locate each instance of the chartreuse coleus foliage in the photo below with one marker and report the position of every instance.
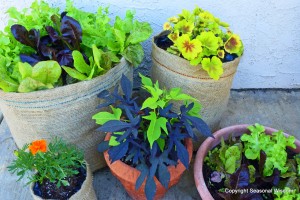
(202, 38)
(149, 136)
(41, 33)
(256, 160)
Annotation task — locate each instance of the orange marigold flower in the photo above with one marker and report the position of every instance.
(38, 145)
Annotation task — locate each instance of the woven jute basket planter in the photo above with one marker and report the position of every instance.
(64, 111)
(128, 175)
(210, 143)
(173, 71)
(86, 191)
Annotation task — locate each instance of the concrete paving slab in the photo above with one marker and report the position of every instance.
(274, 108)
(277, 109)
(10, 189)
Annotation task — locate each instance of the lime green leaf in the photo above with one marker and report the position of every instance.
(97, 53)
(113, 139)
(103, 117)
(197, 60)
(230, 165)
(113, 57)
(252, 173)
(46, 72)
(195, 111)
(134, 54)
(91, 75)
(209, 40)
(141, 31)
(25, 69)
(154, 129)
(175, 94)
(120, 36)
(29, 85)
(7, 84)
(80, 64)
(161, 143)
(150, 102)
(213, 67)
(106, 62)
(74, 73)
(146, 81)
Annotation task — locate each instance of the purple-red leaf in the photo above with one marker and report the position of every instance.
(182, 154)
(118, 152)
(144, 173)
(163, 175)
(53, 34)
(32, 60)
(150, 188)
(241, 178)
(65, 58)
(71, 31)
(114, 126)
(30, 38)
(262, 161)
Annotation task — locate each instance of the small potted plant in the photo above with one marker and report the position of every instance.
(53, 65)
(55, 171)
(200, 54)
(148, 146)
(248, 162)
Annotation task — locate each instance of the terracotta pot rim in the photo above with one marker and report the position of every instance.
(177, 169)
(210, 143)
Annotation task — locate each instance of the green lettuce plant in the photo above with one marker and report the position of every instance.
(85, 45)
(256, 161)
(202, 38)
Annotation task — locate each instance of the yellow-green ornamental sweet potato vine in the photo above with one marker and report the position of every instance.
(203, 39)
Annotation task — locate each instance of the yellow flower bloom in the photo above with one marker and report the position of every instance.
(234, 44)
(167, 26)
(173, 19)
(221, 53)
(189, 48)
(174, 36)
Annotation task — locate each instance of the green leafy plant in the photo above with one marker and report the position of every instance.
(149, 136)
(54, 162)
(255, 160)
(84, 44)
(202, 38)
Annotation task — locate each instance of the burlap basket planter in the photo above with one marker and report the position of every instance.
(65, 112)
(86, 191)
(173, 71)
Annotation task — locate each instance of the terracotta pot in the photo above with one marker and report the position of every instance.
(173, 71)
(86, 191)
(128, 175)
(210, 143)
